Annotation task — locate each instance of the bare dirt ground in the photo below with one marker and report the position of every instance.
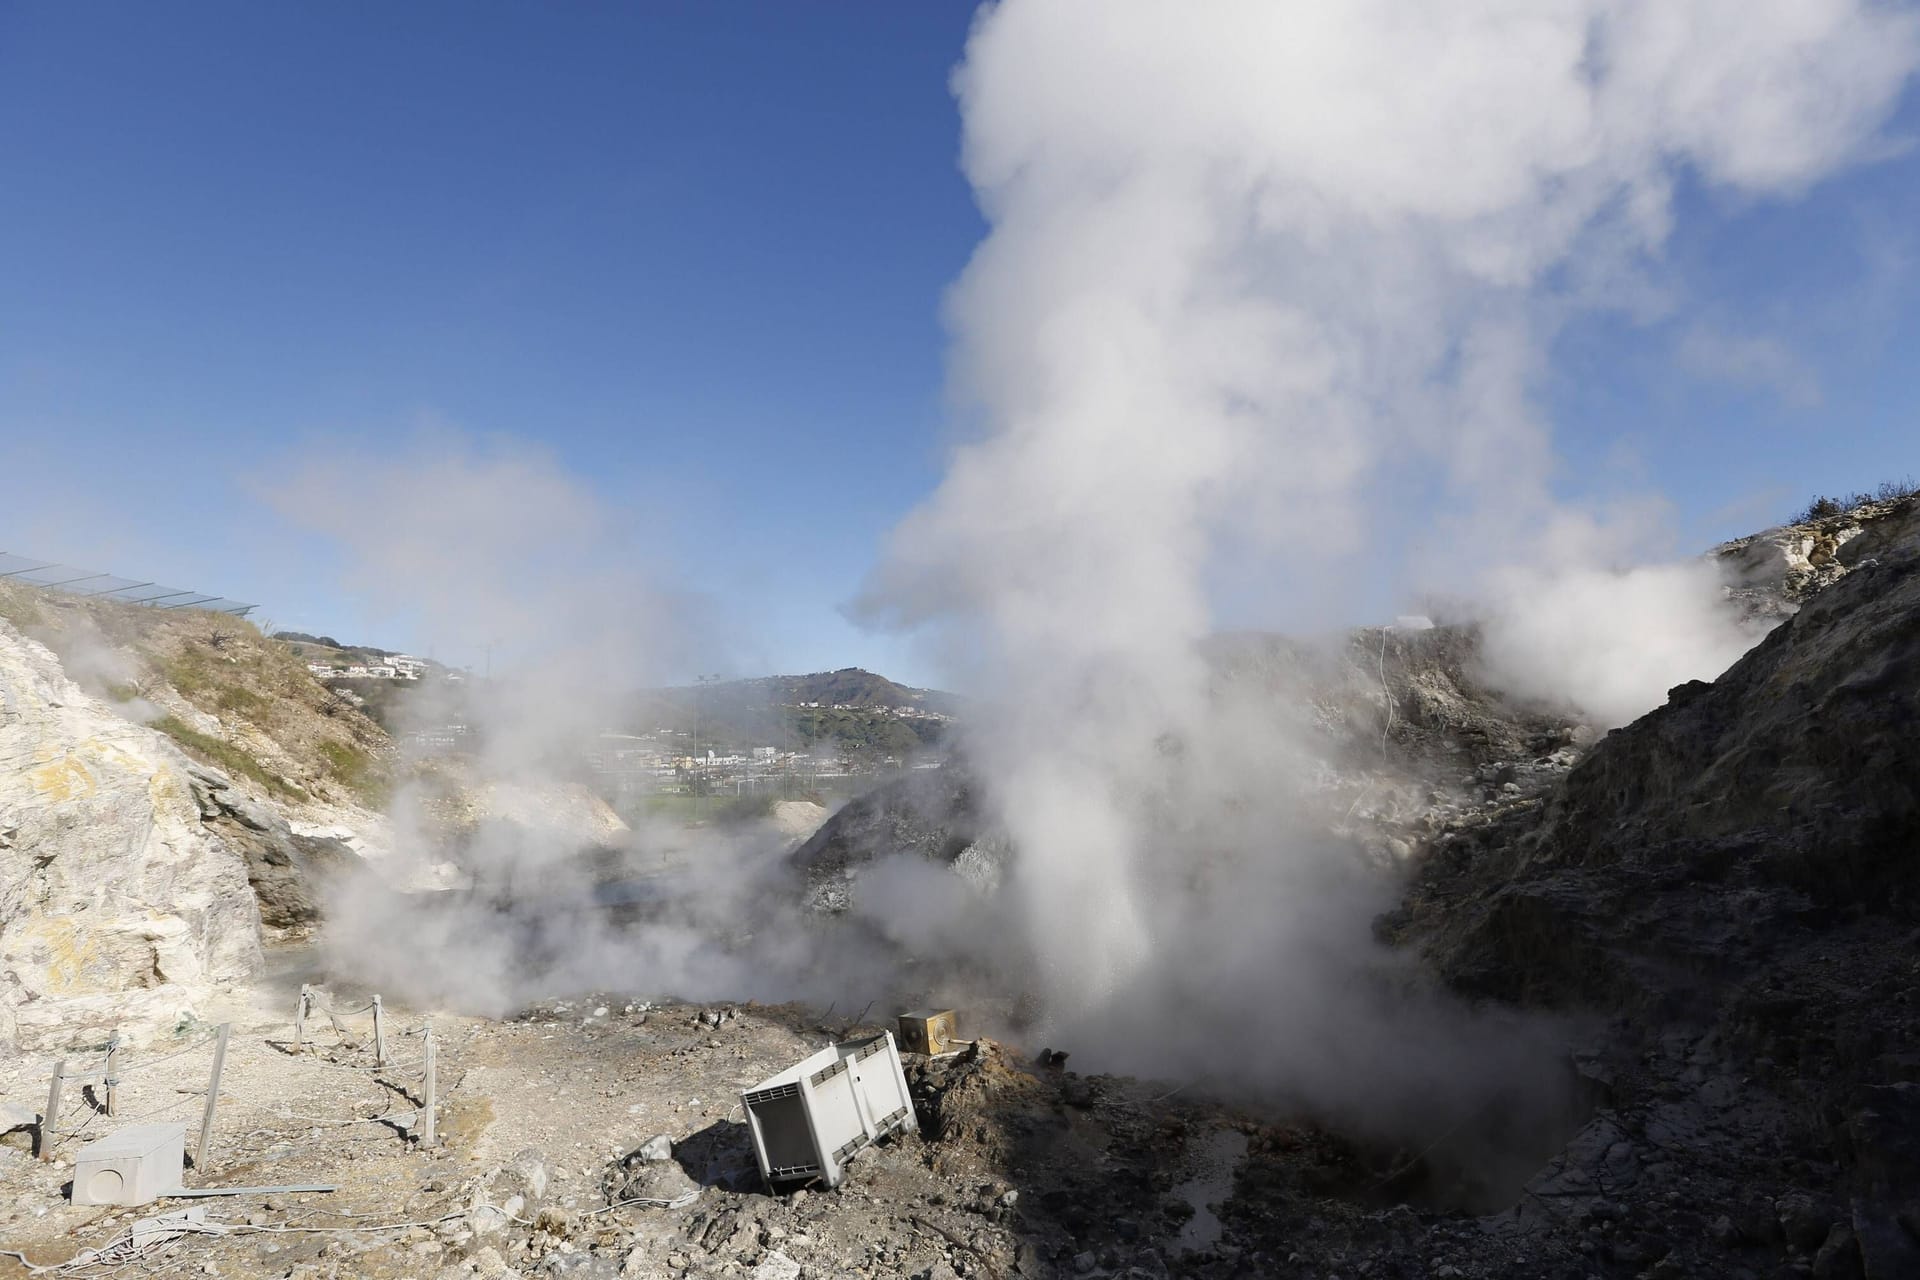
(1018, 1169)
(1015, 1169)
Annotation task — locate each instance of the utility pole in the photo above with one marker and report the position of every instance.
(700, 684)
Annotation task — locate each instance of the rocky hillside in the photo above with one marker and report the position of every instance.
(1417, 744)
(124, 900)
(172, 784)
(1735, 879)
(1412, 741)
(1771, 572)
(227, 695)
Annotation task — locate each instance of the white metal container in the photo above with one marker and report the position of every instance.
(809, 1120)
(134, 1165)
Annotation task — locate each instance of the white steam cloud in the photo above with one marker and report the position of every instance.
(1254, 267)
(501, 861)
(1612, 643)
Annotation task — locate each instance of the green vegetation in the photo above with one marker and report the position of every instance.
(855, 713)
(240, 701)
(386, 702)
(225, 755)
(862, 732)
(18, 607)
(723, 810)
(1824, 507)
(186, 670)
(358, 771)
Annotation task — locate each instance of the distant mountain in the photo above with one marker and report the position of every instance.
(853, 687)
(849, 709)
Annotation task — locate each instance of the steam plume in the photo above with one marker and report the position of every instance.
(1252, 268)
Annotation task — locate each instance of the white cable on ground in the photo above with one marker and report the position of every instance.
(1386, 689)
(651, 1202)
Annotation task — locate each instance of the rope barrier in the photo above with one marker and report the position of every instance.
(321, 1122)
(154, 1062)
(175, 1105)
(389, 1068)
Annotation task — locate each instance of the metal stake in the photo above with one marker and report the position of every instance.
(49, 1121)
(111, 1092)
(213, 1097)
(428, 1136)
(379, 1033)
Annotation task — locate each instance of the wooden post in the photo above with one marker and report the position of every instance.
(300, 1021)
(428, 1136)
(213, 1097)
(111, 1090)
(52, 1118)
(379, 1033)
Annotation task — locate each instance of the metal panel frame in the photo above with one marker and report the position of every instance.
(72, 585)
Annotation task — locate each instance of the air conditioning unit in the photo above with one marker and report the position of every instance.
(135, 1165)
(812, 1118)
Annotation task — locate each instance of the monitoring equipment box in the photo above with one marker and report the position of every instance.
(812, 1118)
(928, 1031)
(135, 1165)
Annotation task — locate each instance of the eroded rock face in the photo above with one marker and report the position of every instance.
(1735, 878)
(1771, 573)
(118, 905)
(1780, 799)
(290, 872)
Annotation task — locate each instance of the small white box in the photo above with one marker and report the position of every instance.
(135, 1165)
(809, 1120)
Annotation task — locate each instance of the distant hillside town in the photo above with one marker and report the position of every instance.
(399, 666)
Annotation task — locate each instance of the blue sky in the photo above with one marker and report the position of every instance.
(696, 251)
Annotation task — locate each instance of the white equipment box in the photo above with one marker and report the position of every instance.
(136, 1165)
(809, 1120)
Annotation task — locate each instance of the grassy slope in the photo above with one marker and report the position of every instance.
(213, 683)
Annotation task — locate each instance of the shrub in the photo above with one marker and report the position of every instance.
(1824, 507)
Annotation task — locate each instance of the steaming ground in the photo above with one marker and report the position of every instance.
(1678, 1137)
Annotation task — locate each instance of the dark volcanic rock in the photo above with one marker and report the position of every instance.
(1707, 836)
(290, 874)
(1736, 879)
(932, 813)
